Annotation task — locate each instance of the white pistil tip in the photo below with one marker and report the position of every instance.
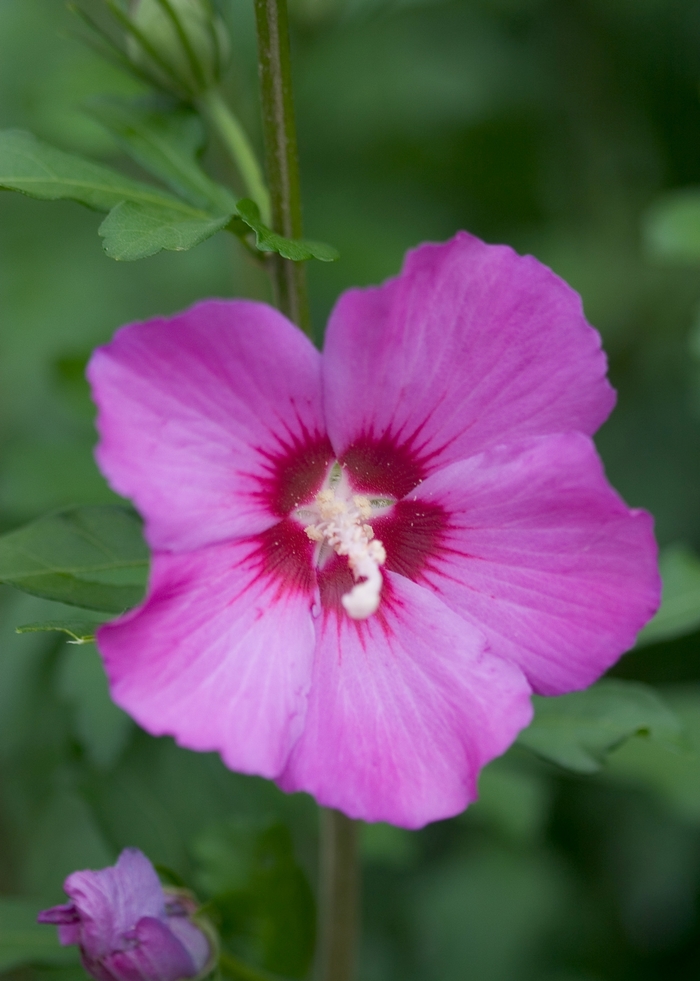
(363, 599)
(342, 526)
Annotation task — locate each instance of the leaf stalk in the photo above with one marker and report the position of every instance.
(214, 107)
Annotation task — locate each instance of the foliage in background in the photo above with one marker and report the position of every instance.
(567, 128)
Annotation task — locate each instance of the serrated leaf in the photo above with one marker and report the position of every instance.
(35, 168)
(671, 226)
(679, 612)
(24, 941)
(298, 250)
(134, 231)
(165, 142)
(577, 731)
(93, 557)
(80, 631)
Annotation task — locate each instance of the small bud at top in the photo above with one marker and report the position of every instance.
(182, 45)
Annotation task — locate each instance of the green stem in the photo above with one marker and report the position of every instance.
(289, 278)
(339, 897)
(214, 107)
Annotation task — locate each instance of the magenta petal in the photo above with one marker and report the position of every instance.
(66, 913)
(470, 346)
(219, 655)
(156, 955)
(404, 710)
(69, 934)
(543, 556)
(198, 412)
(67, 918)
(192, 939)
(112, 900)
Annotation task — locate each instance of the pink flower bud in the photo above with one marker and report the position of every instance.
(127, 927)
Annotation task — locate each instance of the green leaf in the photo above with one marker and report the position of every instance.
(41, 171)
(80, 631)
(24, 941)
(94, 557)
(679, 612)
(268, 241)
(671, 227)
(135, 231)
(577, 731)
(165, 142)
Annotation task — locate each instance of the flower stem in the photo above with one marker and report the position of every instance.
(339, 897)
(289, 278)
(339, 885)
(216, 110)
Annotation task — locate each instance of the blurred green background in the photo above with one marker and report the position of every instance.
(552, 125)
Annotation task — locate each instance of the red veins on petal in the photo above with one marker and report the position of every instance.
(412, 533)
(294, 472)
(381, 465)
(286, 555)
(335, 580)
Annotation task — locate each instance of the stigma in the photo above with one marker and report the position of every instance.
(342, 526)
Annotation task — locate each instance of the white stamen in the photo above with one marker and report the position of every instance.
(342, 526)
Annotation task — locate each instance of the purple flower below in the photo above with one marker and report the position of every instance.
(127, 927)
(365, 560)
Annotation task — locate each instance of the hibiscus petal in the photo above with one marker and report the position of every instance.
(471, 346)
(219, 656)
(210, 421)
(112, 900)
(543, 556)
(157, 955)
(405, 709)
(192, 939)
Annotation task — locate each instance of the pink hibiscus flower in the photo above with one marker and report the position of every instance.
(364, 561)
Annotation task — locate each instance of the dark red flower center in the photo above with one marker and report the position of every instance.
(380, 469)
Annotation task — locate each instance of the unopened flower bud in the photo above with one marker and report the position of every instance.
(128, 927)
(185, 44)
